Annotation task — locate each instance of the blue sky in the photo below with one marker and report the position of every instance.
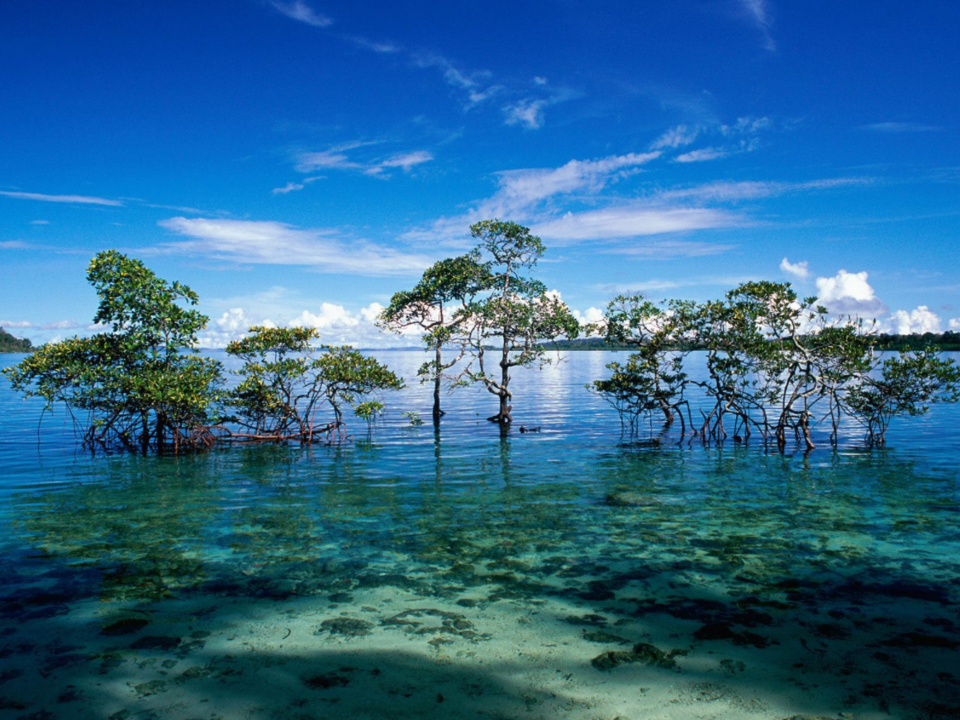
(299, 161)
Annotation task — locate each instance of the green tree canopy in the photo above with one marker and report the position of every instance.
(515, 312)
(142, 384)
(432, 306)
(285, 385)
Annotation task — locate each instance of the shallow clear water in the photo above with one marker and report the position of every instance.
(461, 574)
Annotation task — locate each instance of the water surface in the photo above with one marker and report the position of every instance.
(565, 573)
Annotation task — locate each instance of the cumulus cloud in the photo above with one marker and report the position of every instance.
(799, 269)
(301, 12)
(275, 243)
(915, 322)
(74, 199)
(849, 293)
(955, 323)
(19, 324)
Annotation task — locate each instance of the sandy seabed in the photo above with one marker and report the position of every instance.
(656, 648)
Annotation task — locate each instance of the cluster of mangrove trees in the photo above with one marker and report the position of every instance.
(776, 365)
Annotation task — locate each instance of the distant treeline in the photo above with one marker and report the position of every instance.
(11, 344)
(948, 341)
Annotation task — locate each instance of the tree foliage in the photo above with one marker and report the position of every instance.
(435, 305)
(285, 385)
(514, 312)
(142, 384)
(777, 365)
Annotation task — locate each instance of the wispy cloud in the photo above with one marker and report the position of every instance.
(758, 12)
(677, 137)
(382, 47)
(14, 245)
(295, 186)
(740, 136)
(701, 155)
(668, 249)
(901, 127)
(288, 188)
(753, 190)
(75, 199)
(528, 113)
(632, 221)
(275, 243)
(337, 158)
(301, 12)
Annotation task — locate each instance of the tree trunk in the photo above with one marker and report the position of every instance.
(437, 412)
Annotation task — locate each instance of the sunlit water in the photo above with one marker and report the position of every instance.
(563, 573)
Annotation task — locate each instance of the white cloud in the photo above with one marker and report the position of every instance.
(915, 322)
(702, 155)
(371, 312)
(75, 199)
(406, 160)
(955, 323)
(10, 324)
(676, 137)
(758, 13)
(740, 136)
(901, 127)
(301, 12)
(39, 222)
(666, 249)
(336, 158)
(528, 113)
(60, 325)
(288, 188)
(799, 269)
(752, 190)
(746, 126)
(849, 293)
(382, 47)
(14, 245)
(520, 190)
(632, 221)
(275, 243)
(592, 315)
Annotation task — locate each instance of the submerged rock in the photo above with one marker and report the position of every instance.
(643, 653)
(127, 626)
(351, 627)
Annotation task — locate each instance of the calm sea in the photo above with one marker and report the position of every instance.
(489, 576)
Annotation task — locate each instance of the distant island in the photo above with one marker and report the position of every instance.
(948, 341)
(11, 344)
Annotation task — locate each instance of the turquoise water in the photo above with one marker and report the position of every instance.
(565, 573)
